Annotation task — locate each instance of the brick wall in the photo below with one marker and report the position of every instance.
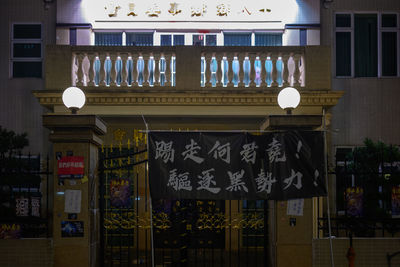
(370, 252)
(26, 253)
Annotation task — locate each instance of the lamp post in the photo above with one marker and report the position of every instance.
(73, 98)
(288, 99)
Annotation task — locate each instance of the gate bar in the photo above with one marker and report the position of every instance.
(151, 205)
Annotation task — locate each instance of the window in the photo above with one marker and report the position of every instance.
(108, 38)
(211, 40)
(389, 35)
(201, 39)
(198, 40)
(237, 39)
(179, 39)
(366, 45)
(268, 39)
(343, 54)
(303, 37)
(72, 36)
(139, 39)
(26, 56)
(168, 39)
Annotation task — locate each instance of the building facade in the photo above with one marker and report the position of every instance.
(210, 66)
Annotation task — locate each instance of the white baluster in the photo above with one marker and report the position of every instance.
(279, 71)
(96, 71)
(85, 70)
(74, 70)
(129, 71)
(79, 72)
(224, 71)
(118, 71)
(269, 69)
(107, 70)
(173, 70)
(162, 68)
(291, 66)
(151, 65)
(302, 72)
(203, 68)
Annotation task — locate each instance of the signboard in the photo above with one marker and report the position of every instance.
(220, 165)
(71, 167)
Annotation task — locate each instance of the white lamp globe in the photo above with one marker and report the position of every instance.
(288, 98)
(73, 98)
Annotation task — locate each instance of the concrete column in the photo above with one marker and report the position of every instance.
(78, 135)
(293, 234)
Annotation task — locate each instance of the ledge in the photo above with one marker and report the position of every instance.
(75, 128)
(214, 97)
(281, 122)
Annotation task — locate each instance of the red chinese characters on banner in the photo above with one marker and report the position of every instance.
(71, 167)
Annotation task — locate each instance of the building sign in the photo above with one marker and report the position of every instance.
(216, 165)
(182, 10)
(71, 167)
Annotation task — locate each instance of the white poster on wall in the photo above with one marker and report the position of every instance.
(73, 200)
(295, 207)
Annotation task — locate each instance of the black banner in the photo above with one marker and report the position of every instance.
(221, 165)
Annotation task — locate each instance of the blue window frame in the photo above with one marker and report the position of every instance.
(237, 39)
(166, 40)
(139, 39)
(211, 40)
(303, 36)
(268, 39)
(179, 39)
(108, 38)
(72, 36)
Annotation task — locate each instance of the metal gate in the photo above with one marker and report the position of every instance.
(180, 232)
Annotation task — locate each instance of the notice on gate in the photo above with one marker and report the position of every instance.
(223, 165)
(71, 167)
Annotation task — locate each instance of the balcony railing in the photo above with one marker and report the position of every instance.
(205, 66)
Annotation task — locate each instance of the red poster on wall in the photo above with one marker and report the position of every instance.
(71, 167)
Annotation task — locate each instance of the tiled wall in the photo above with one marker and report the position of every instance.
(26, 253)
(370, 252)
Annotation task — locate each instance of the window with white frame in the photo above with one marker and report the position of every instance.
(366, 44)
(237, 39)
(26, 50)
(172, 39)
(108, 38)
(268, 39)
(204, 39)
(139, 39)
